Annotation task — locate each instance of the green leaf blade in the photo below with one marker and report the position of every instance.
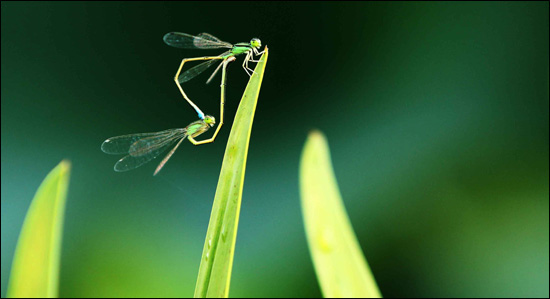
(217, 258)
(35, 268)
(341, 268)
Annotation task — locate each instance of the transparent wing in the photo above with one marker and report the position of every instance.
(121, 144)
(187, 41)
(131, 162)
(149, 144)
(198, 69)
(142, 147)
(207, 40)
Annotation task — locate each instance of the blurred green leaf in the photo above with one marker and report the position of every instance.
(35, 269)
(341, 268)
(217, 256)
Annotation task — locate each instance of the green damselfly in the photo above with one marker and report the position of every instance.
(208, 41)
(144, 147)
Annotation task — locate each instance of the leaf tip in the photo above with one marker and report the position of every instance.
(65, 166)
(316, 134)
(316, 140)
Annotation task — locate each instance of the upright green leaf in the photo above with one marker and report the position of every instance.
(217, 256)
(341, 268)
(35, 269)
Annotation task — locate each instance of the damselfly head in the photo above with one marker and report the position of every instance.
(210, 120)
(256, 43)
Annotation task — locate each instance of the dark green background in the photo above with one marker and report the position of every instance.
(436, 114)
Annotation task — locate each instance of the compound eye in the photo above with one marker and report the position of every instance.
(210, 120)
(256, 43)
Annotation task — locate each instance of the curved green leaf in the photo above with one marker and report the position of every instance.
(341, 268)
(35, 269)
(217, 256)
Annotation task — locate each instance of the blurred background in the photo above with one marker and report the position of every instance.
(436, 115)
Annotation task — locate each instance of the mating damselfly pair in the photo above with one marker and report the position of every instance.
(143, 147)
